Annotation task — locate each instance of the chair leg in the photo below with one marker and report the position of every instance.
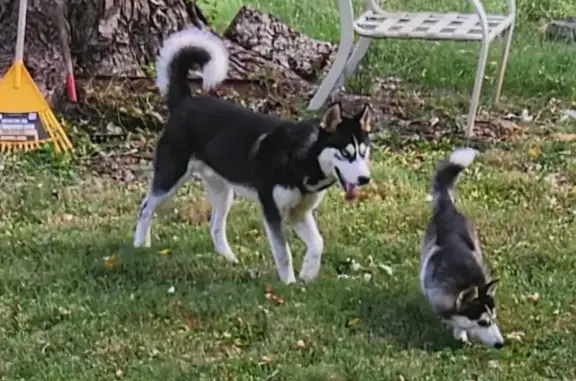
(507, 40)
(342, 55)
(475, 99)
(358, 53)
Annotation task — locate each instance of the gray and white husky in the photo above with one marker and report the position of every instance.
(285, 166)
(452, 275)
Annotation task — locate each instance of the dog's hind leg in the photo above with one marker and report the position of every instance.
(221, 197)
(274, 229)
(307, 230)
(169, 175)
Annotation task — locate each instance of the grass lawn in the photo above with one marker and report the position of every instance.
(536, 67)
(78, 303)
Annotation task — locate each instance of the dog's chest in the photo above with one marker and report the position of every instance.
(292, 204)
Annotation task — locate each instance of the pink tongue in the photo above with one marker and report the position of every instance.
(352, 192)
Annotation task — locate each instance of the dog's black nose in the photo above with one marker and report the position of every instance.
(363, 180)
(499, 345)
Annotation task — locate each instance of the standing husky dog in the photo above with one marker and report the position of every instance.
(452, 274)
(284, 165)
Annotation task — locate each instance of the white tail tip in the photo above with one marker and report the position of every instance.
(463, 156)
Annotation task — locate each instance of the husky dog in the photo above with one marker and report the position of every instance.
(286, 166)
(452, 275)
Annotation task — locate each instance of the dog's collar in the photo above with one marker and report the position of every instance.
(315, 185)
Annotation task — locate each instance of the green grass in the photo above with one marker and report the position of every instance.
(66, 316)
(536, 67)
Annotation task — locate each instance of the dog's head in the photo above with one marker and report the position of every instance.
(476, 314)
(345, 147)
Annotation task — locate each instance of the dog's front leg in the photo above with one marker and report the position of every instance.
(307, 230)
(274, 227)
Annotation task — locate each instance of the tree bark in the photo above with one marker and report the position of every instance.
(120, 38)
(275, 41)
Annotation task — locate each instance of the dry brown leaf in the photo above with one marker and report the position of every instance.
(271, 296)
(353, 322)
(191, 323)
(535, 151)
(265, 360)
(515, 335)
(532, 297)
(110, 262)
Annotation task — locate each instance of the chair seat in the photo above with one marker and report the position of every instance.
(430, 26)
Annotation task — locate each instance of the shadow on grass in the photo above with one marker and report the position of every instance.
(400, 318)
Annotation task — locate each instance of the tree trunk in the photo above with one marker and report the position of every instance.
(118, 38)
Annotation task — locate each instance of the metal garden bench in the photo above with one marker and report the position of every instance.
(376, 23)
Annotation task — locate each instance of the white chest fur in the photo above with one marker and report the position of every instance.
(289, 201)
(293, 205)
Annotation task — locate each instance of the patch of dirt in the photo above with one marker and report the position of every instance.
(123, 117)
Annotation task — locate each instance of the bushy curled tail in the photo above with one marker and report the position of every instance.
(446, 175)
(184, 50)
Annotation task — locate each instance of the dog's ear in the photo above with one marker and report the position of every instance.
(332, 117)
(466, 296)
(491, 287)
(365, 118)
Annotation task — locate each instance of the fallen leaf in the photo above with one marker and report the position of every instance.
(110, 262)
(164, 251)
(515, 335)
(274, 298)
(386, 268)
(271, 296)
(301, 344)
(532, 297)
(535, 151)
(265, 360)
(191, 323)
(239, 343)
(353, 322)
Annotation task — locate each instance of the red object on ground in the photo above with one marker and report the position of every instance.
(71, 88)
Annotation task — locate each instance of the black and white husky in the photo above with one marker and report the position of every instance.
(452, 275)
(284, 165)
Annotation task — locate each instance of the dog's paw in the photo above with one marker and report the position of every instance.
(287, 277)
(308, 274)
(229, 255)
(142, 243)
(142, 237)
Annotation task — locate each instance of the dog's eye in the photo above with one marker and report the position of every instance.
(344, 154)
(483, 323)
(362, 148)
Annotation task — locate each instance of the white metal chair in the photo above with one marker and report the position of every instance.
(375, 23)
